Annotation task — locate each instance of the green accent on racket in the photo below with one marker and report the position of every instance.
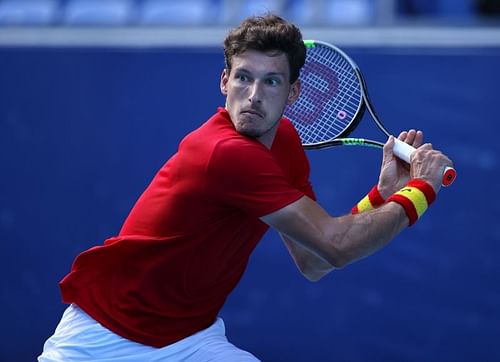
(357, 142)
(309, 43)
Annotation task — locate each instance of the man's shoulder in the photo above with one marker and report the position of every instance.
(287, 136)
(239, 149)
(288, 129)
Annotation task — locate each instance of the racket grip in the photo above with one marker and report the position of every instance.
(403, 151)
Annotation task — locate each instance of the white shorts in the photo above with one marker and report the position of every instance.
(78, 338)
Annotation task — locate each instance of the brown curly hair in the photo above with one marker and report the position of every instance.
(267, 33)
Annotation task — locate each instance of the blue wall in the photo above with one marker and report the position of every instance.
(82, 131)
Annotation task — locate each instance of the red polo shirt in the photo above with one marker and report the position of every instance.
(186, 242)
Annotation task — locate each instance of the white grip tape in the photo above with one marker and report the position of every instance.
(403, 150)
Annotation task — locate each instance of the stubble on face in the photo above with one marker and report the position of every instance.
(257, 90)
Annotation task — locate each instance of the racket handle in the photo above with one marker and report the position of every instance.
(404, 151)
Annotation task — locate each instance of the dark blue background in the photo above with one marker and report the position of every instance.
(82, 132)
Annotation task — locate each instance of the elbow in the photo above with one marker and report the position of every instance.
(316, 274)
(311, 272)
(314, 277)
(315, 271)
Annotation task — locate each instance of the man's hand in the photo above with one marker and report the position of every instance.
(395, 173)
(429, 164)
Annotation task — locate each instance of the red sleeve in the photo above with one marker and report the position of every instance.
(288, 148)
(245, 175)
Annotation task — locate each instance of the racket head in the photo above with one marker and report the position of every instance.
(331, 101)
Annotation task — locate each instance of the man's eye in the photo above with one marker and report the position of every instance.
(241, 77)
(273, 81)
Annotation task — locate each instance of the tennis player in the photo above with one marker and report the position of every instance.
(154, 291)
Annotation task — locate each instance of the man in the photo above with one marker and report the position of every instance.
(153, 292)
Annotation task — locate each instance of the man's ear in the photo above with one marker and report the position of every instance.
(223, 81)
(294, 92)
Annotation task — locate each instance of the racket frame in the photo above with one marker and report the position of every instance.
(365, 104)
(401, 149)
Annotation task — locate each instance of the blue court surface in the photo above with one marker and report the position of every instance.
(83, 130)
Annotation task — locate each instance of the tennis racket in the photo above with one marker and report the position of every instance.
(332, 102)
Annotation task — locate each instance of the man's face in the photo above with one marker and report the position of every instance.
(257, 90)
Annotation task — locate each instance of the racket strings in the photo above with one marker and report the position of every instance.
(348, 88)
(349, 85)
(330, 96)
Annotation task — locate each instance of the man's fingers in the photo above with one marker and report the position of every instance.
(419, 139)
(388, 153)
(412, 137)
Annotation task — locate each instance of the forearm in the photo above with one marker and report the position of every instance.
(324, 242)
(339, 241)
(353, 237)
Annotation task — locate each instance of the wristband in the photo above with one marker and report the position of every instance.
(371, 201)
(415, 198)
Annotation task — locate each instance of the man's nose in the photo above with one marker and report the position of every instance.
(255, 95)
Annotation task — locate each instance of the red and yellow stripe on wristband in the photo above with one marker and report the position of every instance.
(415, 198)
(371, 201)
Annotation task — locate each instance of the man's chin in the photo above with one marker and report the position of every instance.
(253, 133)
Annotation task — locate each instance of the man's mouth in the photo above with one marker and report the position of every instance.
(252, 112)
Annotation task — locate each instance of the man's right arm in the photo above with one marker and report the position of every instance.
(337, 240)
